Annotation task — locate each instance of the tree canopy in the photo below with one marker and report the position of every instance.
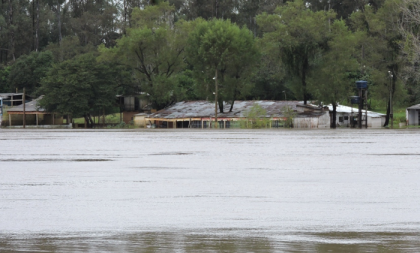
(296, 49)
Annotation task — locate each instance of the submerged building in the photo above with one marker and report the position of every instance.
(413, 115)
(347, 117)
(201, 114)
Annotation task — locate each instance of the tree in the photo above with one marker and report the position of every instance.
(222, 50)
(380, 51)
(255, 117)
(79, 87)
(409, 27)
(300, 35)
(155, 51)
(332, 82)
(4, 79)
(28, 71)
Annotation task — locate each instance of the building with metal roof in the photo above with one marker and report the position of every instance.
(201, 114)
(347, 117)
(413, 115)
(33, 113)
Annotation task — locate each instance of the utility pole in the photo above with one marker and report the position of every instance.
(391, 113)
(24, 109)
(215, 102)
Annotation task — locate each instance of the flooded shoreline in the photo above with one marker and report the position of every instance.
(235, 190)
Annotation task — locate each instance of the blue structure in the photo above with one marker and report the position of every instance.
(362, 101)
(361, 84)
(1, 108)
(355, 100)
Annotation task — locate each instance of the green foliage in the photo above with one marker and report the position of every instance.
(332, 81)
(289, 114)
(222, 46)
(155, 51)
(79, 87)
(300, 35)
(255, 117)
(4, 79)
(28, 71)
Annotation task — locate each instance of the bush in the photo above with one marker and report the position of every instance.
(255, 117)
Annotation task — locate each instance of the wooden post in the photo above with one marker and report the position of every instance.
(24, 108)
(53, 118)
(202, 124)
(10, 119)
(36, 116)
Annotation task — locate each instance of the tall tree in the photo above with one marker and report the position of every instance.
(28, 70)
(221, 49)
(410, 29)
(79, 87)
(155, 51)
(380, 51)
(332, 81)
(300, 35)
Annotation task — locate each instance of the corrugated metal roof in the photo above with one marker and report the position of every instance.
(202, 109)
(348, 109)
(8, 95)
(414, 107)
(31, 106)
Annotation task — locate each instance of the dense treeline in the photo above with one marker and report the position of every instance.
(80, 53)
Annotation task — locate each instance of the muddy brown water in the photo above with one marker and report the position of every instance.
(210, 191)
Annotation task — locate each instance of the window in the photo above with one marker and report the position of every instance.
(340, 119)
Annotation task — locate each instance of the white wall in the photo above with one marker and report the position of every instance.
(413, 117)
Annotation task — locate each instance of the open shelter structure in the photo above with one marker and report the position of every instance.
(34, 115)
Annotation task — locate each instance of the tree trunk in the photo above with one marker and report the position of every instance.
(60, 37)
(125, 17)
(11, 32)
(388, 112)
(304, 68)
(37, 27)
(220, 102)
(231, 105)
(334, 116)
(216, 8)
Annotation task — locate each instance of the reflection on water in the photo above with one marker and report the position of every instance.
(213, 241)
(209, 191)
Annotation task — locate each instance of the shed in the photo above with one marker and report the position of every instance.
(413, 115)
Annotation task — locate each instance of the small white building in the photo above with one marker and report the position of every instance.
(345, 114)
(413, 115)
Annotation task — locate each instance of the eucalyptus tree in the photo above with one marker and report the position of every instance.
(154, 47)
(410, 29)
(332, 81)
(300, 35)
(380, 52)
(220, 49)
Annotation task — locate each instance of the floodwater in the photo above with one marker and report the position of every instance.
(210, 191)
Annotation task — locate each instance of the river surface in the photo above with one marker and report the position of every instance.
(210, 191)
